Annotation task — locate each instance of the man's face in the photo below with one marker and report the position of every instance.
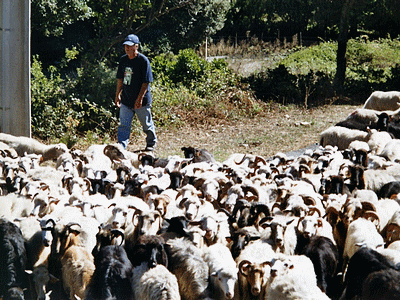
(131, 50)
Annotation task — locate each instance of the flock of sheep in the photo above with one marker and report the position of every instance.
(107, 223)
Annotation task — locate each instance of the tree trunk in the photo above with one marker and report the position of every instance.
(342, 46)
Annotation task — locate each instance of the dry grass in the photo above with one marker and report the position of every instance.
(280, 129)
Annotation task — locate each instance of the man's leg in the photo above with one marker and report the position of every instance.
(125, 122)
(144, 116)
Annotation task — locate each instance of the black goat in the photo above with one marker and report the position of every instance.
(150, 249)
(364, 262)
(112, 276)
(106, 237)
(198, 155)
(241, 238)
(247, 213)
(325, 258)
(13, 259)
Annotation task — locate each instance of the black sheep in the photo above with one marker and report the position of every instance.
(13, 259)
(112, 276)
(150, 249)
(325, 257)
(363, 263)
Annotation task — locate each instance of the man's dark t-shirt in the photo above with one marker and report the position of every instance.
(134, 72)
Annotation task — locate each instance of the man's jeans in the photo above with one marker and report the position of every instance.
(125, 121)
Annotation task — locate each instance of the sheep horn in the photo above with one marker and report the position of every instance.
(262, 208)
(308, 200)
(116, 233)
(372, 215)
(368, 206)
(312, 210)
(239, 163)
(244, 267)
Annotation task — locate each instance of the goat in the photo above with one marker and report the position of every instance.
(149, 249)
(13, 260)
(77, 263)
(112, 275)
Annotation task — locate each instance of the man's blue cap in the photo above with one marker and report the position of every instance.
(131, 39)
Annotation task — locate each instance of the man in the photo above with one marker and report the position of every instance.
(133, 94)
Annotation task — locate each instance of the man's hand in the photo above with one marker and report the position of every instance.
(117, 100)
(138, 103)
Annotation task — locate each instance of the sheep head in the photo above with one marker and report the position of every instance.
(254, 274)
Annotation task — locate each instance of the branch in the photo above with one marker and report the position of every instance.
(154, 14)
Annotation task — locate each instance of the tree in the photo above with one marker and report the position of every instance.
(342, 44)
(49, 17)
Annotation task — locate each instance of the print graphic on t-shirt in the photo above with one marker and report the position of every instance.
(128, 76)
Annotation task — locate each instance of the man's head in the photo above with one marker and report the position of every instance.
(131, 45)
(131, 40)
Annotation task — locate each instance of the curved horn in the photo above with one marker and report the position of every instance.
(244, 267)
(262, 208)
(368, 206)
(242, 160)
(116, 233)
(51, 220)
(372, 215)
(314, 209)
(308, 200)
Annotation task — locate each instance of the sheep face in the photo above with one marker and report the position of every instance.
(150, 249)
(191, 206)
(281, 267)
(119, 216)
(309, 226)
(150, 223)
(254, 273)
(392, 233)
(41, 277)
(15, 293)
(226, 282)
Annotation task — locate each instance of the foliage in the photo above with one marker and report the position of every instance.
(306, 75)
(58, 113)
(192, 24)
(51, 16)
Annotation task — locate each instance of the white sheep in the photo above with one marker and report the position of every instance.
(342, 137)
(223, 271)
(391, 151)
(254, 270)
(185, 261)
(361, 233)
(154, 283)
(293, 277)
(23, 145)
(380, 100)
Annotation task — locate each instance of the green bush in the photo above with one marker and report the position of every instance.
(58, 113)
(306, 75)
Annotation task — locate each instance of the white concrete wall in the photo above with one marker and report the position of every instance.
(15, 95)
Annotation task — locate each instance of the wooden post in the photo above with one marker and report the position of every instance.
(15, 94)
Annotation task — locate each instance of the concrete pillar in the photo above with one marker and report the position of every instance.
(15, 94)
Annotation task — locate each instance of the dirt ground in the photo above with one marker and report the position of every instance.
(282, 129)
